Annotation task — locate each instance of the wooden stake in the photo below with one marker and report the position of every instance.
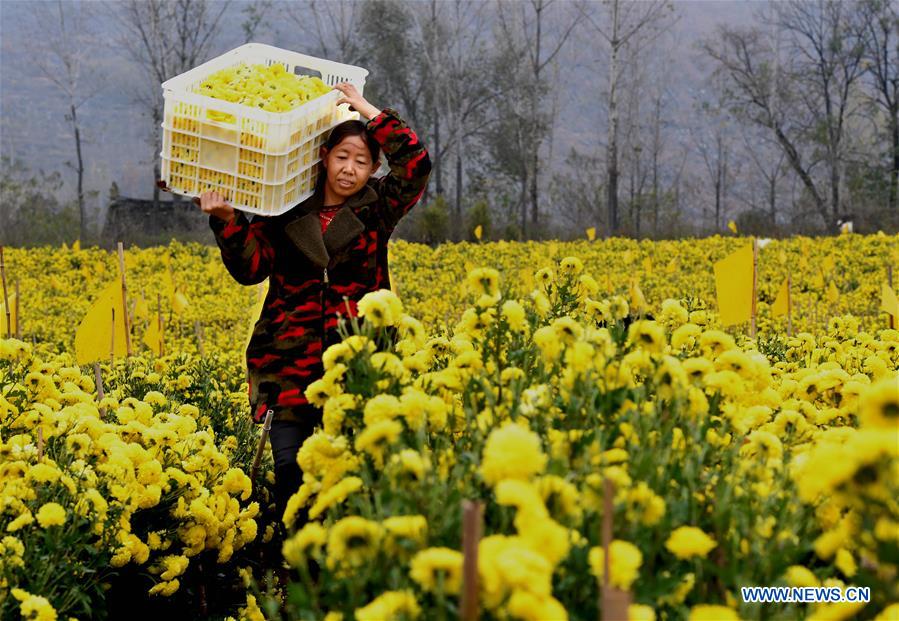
(98, 378)
(5, 295)
(471, 536)
(608, 491)
(755, 260)
(40, 443)
(18, 314)
(160, 324)
(198, 330)
(174, 290)
(125, 299)
(112, 344)
(260, 448)
(204, 607)
(789, 304)
(614, 602)
(890, 319)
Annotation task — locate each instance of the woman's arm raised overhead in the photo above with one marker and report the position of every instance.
(410, 164)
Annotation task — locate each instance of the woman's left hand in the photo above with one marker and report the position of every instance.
(357, 102)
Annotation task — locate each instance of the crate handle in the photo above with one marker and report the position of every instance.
(307, 71)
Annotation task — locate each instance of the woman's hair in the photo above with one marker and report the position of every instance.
(338, 133)
(353, 128)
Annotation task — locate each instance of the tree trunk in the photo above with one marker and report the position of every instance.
(535, 147)
(438, 188)
(458, 208)
(772, 197)
(612, 163)
(82, 219)
(632, 192)
(834, 186)
(522, 204)
(677, 198)
(723, 180)
(796, 165)
(157, 119)
(894, 172)
(718, 199)
(637, 207)
(656, 147)
(534, 193)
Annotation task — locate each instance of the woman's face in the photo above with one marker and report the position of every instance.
(348, 165)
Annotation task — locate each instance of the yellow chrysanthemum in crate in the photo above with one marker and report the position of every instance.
(249, 125)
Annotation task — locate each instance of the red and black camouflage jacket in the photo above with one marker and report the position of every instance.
(310, 273)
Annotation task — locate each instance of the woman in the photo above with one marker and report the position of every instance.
(320, 257)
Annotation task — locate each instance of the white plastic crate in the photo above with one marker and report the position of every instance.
(262, 162)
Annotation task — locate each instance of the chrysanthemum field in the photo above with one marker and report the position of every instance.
(525, 375)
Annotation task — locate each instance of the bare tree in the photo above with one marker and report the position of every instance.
(393, 51)
(166, 38)
(823, 38)
(758, 95)
(434, 31)
(333, 25)
(643, 130)
(462, 85)
(713, 142)
(61, 42)
(579, 188)
(657, 148)
(880, 21)
(526, 33)
(807, 98)
(626, 23)
(631, 141)
(769, 163)
(254, 18)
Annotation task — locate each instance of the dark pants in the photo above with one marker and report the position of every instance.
(286, 438)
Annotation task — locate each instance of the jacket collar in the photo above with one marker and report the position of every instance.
(306, 233)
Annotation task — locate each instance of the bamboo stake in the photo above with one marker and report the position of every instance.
(890, 318)
(260, 448)
(5, 295)
(98, 378)
(112, 344)
(198, 330)
(755, 260)
(471, 536)
(40, 443)
(172, 293)
(160, 324)
(204, 607)
(614, 602)
(124, 299)
(789, 304)
(18, 314)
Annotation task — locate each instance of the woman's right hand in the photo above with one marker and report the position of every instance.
(212, 202)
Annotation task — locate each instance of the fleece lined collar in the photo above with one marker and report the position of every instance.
(305, 230)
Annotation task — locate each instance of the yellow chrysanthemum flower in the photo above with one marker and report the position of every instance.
(511, 452)
(51, 514)
(390, 605)
(624, 563)
(689, 541)
(436, 567)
